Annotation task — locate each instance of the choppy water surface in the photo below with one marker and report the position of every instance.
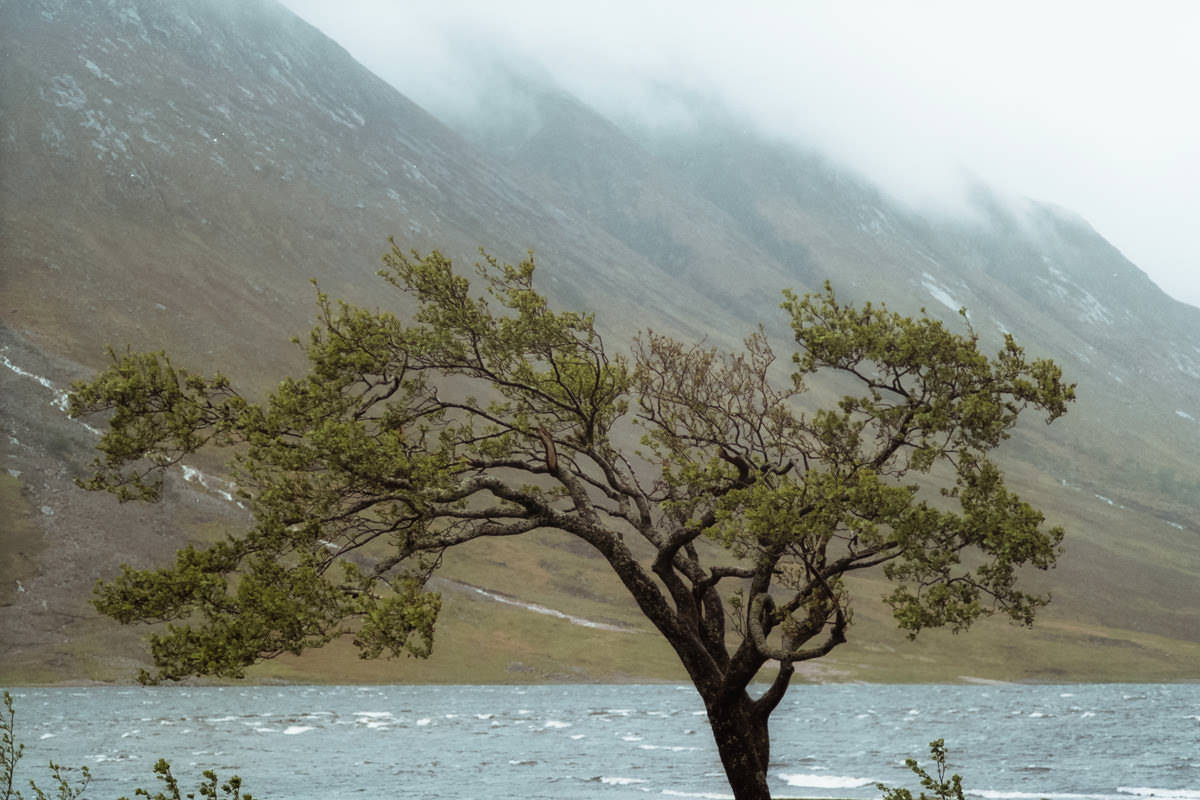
(1110, 742)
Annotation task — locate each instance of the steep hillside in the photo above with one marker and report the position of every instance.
(173, 175)
(1034, 270)
(1119, 471)
(174, 172)
(741, 217)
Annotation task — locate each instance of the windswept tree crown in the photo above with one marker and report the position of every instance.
(490, 414)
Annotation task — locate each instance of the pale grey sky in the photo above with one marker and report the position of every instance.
(1089, 105)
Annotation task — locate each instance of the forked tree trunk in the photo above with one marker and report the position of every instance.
(744, 744)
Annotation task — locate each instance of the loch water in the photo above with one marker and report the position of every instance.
(1009, 742)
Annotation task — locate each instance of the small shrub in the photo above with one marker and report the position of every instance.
(10, 753)
(208, 788)
(941, 788)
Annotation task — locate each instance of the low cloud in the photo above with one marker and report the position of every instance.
(1084, 106)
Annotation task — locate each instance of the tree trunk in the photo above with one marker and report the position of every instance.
(744, 744)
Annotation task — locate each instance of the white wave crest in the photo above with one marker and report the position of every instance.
(669, 748)
(995, 795)
(1161, 794)
(825, 781)
(293, 730)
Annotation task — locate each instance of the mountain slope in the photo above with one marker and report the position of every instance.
(220, 154)
(175, 172)
(1119, 471)
(787, 218)
(173, 175)
(1031, 269)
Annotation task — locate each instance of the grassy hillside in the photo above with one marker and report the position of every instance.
(173, 180)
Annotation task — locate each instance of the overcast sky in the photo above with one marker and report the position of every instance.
(1089, 105)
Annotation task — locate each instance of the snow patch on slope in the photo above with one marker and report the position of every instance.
(540, 609)
(1068, 292)
(222, 488)
(939, 292)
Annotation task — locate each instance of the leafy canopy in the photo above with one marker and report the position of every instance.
(490, 414)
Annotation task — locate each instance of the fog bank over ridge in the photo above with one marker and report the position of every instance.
(1072, 104)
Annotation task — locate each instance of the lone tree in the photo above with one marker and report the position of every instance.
(493, 415)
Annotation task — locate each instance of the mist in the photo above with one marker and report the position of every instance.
(1082, 106)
